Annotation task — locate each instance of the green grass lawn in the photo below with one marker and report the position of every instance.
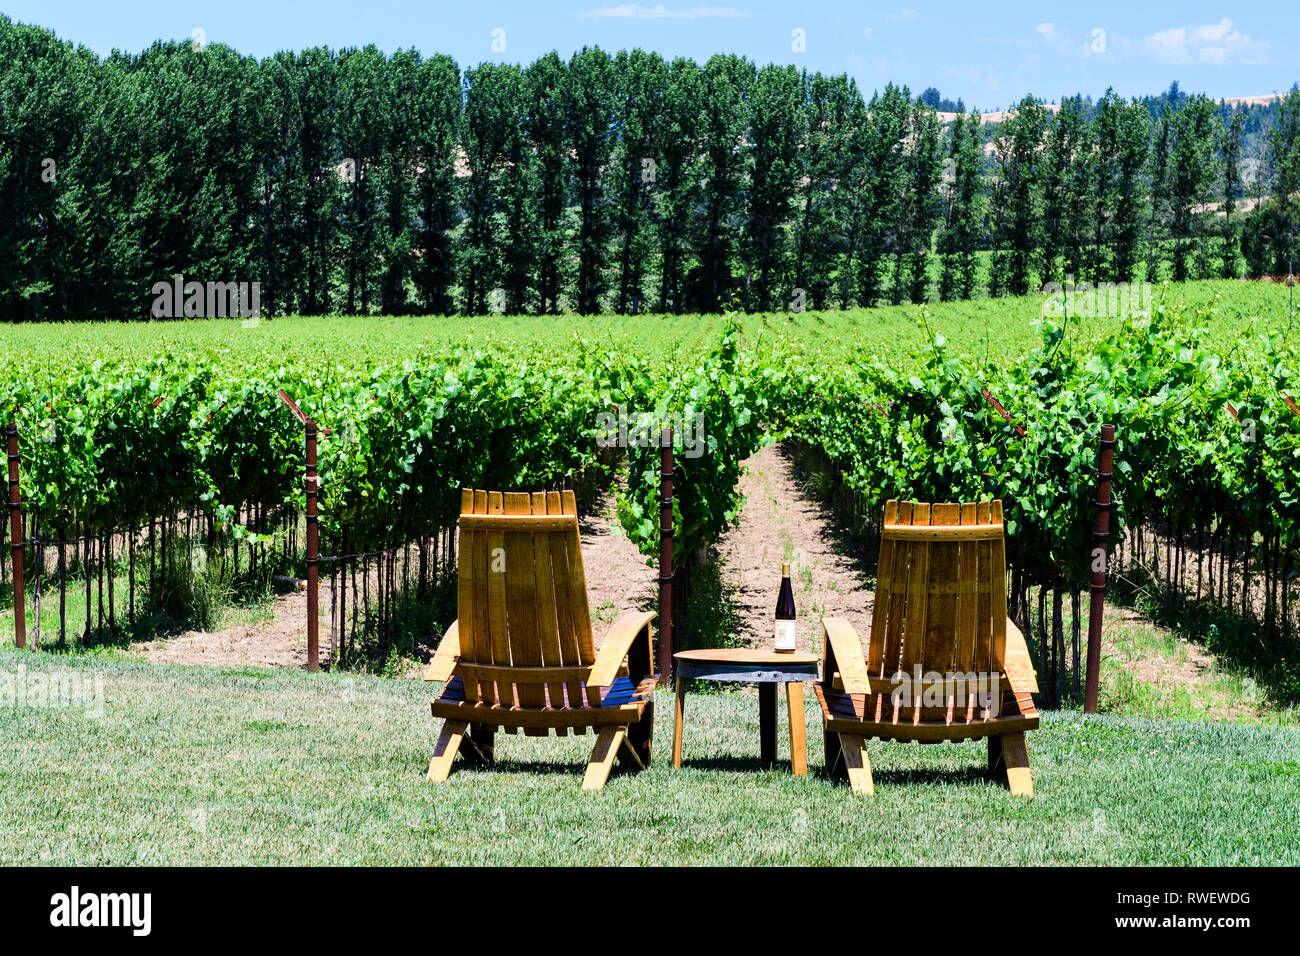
(190, 765)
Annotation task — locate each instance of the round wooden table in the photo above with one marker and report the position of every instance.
(764, 667)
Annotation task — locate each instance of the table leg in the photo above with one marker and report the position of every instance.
(767, 722)
(677, 722)
(798, 745)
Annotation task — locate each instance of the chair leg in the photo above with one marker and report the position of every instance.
(1015, 757)
(798, 741)
(678, 715)
(481, 749)
(638, 739)
(602, 757)
(834, 755)
(995, 755)
(444, 752)
(857, 764)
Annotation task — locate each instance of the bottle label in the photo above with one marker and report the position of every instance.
(784, 636)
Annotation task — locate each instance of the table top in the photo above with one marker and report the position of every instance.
(756, 665)
(746, 655)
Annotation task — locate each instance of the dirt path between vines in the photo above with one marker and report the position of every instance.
(781, 521)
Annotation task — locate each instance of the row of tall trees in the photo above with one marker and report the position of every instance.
(353, 181)
(1114, 192)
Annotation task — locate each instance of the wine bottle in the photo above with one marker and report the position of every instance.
(785, 615)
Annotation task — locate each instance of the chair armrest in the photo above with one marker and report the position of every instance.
(617, 644)
(1017, 664)
(843, 653)
(447, 656)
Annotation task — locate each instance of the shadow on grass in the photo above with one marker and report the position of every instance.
(515, 767)
(975, 774)
(734, 763)
(519, 766)
(955, 776)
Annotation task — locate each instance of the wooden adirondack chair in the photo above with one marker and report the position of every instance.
(940, 605)
(520, 655)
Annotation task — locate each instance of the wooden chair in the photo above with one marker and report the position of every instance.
(941, 606)
(520, 654)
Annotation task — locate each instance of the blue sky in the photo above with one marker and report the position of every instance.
(988, 53)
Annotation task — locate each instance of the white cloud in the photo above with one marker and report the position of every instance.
(1048, 32)
(1214, 44)
(907, 13)
(634, 11)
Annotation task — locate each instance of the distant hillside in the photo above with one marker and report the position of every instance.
(1260, 115)
(1173, 96)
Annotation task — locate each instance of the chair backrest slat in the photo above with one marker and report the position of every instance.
(465, 600)
(578, 586)
(983, 593)
(999, 594)
(522, 594)
(482, 629)
(471, 597)
(521, 598)
(498, 626)
(558, 547)
(912, 651)
(893, 636)
(963, 651)
(548, 634)
(941, 589)
(884, 597)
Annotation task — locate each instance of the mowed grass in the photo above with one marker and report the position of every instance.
(200, 766)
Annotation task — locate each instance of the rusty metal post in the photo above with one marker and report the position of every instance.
(313, 554)
(1100, 555)
(16, 537)
(665, 555)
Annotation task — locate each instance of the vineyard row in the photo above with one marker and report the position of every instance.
(1206, 462)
